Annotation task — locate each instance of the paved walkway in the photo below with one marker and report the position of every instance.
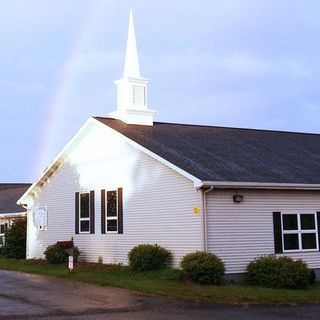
(24, 296)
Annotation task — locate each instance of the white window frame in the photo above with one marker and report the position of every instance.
(84, 219)
(4, 228)
(117, 209)
(2, 235)
(299, 232)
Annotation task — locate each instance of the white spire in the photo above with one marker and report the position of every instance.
(132, 99)
(131, 65)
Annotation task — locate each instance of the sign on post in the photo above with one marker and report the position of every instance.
(70, 263)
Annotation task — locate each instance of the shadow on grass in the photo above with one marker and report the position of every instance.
(167, 282)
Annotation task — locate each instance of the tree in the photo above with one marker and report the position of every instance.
(16, 239)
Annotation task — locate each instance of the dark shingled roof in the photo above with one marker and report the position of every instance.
(9, 194)
(230, 154)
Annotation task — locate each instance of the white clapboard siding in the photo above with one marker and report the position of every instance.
(158, 202)
(240, 232)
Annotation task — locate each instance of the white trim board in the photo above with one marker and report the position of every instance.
(12, 215)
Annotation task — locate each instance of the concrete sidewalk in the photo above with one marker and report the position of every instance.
(24, 296)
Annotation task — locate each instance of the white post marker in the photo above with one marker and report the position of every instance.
(70, 263)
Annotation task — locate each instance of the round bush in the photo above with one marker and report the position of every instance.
(203, 267)
(279, 272)
(55, 254)
(146, 257)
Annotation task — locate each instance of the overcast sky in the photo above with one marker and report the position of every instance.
(243, 63)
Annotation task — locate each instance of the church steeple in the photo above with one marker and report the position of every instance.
(132, 102)
(131, 64)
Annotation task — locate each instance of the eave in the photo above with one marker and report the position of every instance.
(259, 185)
(12, 215)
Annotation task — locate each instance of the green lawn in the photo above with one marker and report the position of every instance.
(164, 283)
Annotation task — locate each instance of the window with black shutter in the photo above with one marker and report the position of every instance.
(295, 232)
(299, 232)
(111, 211)
(84, 208)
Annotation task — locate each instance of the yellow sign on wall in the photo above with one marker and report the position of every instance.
(196, 211)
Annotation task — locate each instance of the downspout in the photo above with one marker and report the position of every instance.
(204, 220)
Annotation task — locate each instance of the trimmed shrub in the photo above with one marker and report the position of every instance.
(279, 272)
(146, 257)
(15, 240)
(203, 267)
(57, 254)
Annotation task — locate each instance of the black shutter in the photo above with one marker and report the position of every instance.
(76, 212)
(92, 218)
(120, 210)
(318, 223)
(277, 232)
(103, 211)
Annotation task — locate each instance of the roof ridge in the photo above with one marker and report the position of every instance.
(7, 186)
(224, 127)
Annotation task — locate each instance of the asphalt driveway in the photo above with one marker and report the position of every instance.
(24, 296)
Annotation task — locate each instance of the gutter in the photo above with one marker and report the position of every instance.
(260, 185)
(12, 215)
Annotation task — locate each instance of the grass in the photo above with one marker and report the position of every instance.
(164, 283)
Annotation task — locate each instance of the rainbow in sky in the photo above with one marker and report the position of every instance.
(57, 108)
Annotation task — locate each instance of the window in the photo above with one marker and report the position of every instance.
(84, 218)
(2, 229)
(139, 95)
(112, 211)
(299, 232)
(84, 212)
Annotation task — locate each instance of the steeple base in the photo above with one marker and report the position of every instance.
(133, 116)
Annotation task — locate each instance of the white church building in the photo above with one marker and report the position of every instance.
(126, 179)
